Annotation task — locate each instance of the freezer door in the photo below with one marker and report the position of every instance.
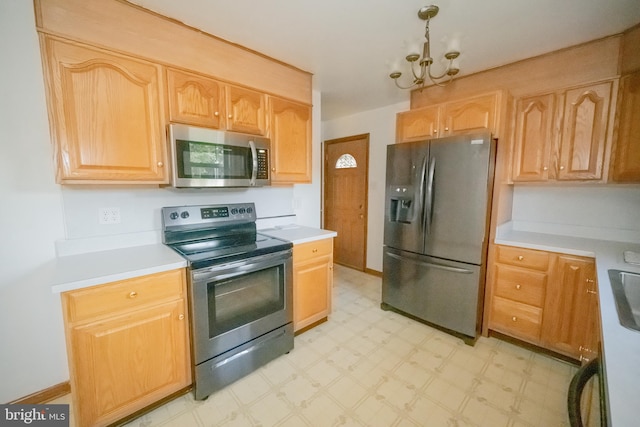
(404, 198)
(459, 184)
(441, 292)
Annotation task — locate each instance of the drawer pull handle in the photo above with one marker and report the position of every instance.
(314, 250)
(590, 280)
(133, 294)
(514, 318)
(518, 287)
(520, 258)
(589, 291)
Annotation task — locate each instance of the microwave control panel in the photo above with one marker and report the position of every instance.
(263, 164)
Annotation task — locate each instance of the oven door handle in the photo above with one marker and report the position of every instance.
(234, 268)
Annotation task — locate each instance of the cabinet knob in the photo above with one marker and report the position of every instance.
(545, 168)
(133, 294)
(446, 129)
(216, 114)
(160, 164)
(561, 168)
(435, 131)
(518, 287)
(520, 258)
(514, 319)
(229, 116)
(181, 317)
(273, 169)
(314, 250)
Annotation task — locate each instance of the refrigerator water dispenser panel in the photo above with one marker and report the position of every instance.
(401, 208)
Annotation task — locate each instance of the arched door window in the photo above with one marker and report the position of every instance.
(346, 161)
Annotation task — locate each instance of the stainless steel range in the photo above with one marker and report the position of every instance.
(240, 291)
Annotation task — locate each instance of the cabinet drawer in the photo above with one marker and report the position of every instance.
(523, 257)
(521, 285)
(516, 319)
(305, 251)
(123, 295)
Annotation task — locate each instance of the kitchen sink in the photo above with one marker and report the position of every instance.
(626, 291)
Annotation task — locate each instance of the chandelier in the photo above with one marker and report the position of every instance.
(423, 70)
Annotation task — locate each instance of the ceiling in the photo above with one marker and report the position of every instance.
(351, 46)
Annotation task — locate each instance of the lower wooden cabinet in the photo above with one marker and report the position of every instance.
(312, 282)
(546, 299)
(127, 344)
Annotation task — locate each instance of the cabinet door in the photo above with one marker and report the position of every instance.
(584, 132)
(128, 362)
(194, 100)
(534, 137)
(470, 114)
(417, 125)
(567, 311)
(105, 112)
(313, 281)
(246, 111)
(626, 158)
(290, 141)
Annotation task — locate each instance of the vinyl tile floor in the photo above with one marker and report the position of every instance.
(369, 367)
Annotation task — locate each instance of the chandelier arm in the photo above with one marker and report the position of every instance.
(412, 85)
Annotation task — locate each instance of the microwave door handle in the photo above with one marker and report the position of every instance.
(254, 162)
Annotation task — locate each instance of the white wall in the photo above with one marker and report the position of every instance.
(591, 211)
(32, 355)
(380, 124)
(35, 213)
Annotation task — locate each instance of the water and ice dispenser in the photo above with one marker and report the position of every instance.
(401, 204)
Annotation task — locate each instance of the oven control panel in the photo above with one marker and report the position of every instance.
(203, 214)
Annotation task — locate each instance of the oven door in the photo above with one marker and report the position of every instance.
(236, 302)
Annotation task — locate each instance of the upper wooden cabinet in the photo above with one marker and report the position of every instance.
(194, 99)
(533, 137)
(626, 155)
(290, 141)
(246, 110)
(449, 118)
(203, 101)
(564, 135)
(105, 113)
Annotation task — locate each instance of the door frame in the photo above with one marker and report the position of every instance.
(365, 136)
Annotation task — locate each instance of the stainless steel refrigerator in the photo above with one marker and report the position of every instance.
(437, 209)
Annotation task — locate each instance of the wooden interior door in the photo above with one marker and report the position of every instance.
(345, 198)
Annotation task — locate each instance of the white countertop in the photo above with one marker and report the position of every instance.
(297, 234)
(71, 272)
(621, 346)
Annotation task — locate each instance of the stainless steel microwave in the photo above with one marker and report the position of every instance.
(202, 157)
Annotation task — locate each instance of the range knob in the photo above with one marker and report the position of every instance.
(242, 210)
(249, 210)
(185, 214)
(234, 211)
(173, 215)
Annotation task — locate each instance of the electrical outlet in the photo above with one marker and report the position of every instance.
(109, 215)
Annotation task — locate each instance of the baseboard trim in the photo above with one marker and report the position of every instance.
(373, 272)
(45, 395)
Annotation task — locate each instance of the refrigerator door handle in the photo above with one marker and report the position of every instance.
(432, 265)
(422, 195)
(429, 195)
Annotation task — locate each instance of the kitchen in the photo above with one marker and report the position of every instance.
(46, 212)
